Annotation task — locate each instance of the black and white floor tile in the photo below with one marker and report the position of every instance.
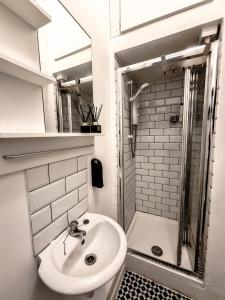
(136, 287)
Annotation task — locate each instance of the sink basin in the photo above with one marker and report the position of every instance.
(85, 267)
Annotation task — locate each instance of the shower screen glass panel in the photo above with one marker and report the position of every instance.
(195, 162)
(191, 162)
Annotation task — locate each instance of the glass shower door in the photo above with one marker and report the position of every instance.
(194, 162)
(198, 114)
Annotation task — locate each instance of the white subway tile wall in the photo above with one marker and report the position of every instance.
(159, 149)
(82, 163)
(62, 169)
(57, 194)
(41, 219)
(37, 177)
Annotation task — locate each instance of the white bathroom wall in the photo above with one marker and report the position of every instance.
(148, 11)
(64, 35)
(64, 27)
(169, 26)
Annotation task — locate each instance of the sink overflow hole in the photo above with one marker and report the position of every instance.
(157, 251)
(90, 259)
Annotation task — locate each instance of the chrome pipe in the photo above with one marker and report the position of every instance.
(59, 111)
(69, 105)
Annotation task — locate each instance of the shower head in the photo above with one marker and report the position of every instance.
(142, 87)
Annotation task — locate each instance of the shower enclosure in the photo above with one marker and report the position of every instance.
(166, 120)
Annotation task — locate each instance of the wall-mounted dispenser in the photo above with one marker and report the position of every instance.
(97, 173)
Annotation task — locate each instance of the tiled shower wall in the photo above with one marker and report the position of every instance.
(129, 164)
(57, 194)
(159, 149)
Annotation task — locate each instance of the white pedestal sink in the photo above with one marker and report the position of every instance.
(104, 248)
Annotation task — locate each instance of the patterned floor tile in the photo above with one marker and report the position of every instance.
(136, 287)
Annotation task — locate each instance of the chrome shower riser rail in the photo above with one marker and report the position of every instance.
(59, 110)
(69, 107)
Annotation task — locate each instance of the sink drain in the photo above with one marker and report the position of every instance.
(90, 259)
(157, 251)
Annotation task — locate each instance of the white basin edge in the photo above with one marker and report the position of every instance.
(69, 285)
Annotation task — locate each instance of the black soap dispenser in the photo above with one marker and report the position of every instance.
(97, 173)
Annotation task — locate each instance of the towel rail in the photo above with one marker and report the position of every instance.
(16, 156)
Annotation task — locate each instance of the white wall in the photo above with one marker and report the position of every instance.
(64, 34)
(213, 10)
(149, 10)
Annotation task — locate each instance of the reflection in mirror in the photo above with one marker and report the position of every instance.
(75, 101)
(67, 53)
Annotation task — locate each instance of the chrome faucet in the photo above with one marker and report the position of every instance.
(74, 231)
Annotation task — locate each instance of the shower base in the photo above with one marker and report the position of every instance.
(147, 231)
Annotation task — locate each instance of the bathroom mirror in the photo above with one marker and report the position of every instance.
(65, 50)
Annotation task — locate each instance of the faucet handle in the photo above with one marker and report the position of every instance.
(73, 225)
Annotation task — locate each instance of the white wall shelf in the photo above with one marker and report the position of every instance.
(17, 69)
(47, 135)
(29, 11)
